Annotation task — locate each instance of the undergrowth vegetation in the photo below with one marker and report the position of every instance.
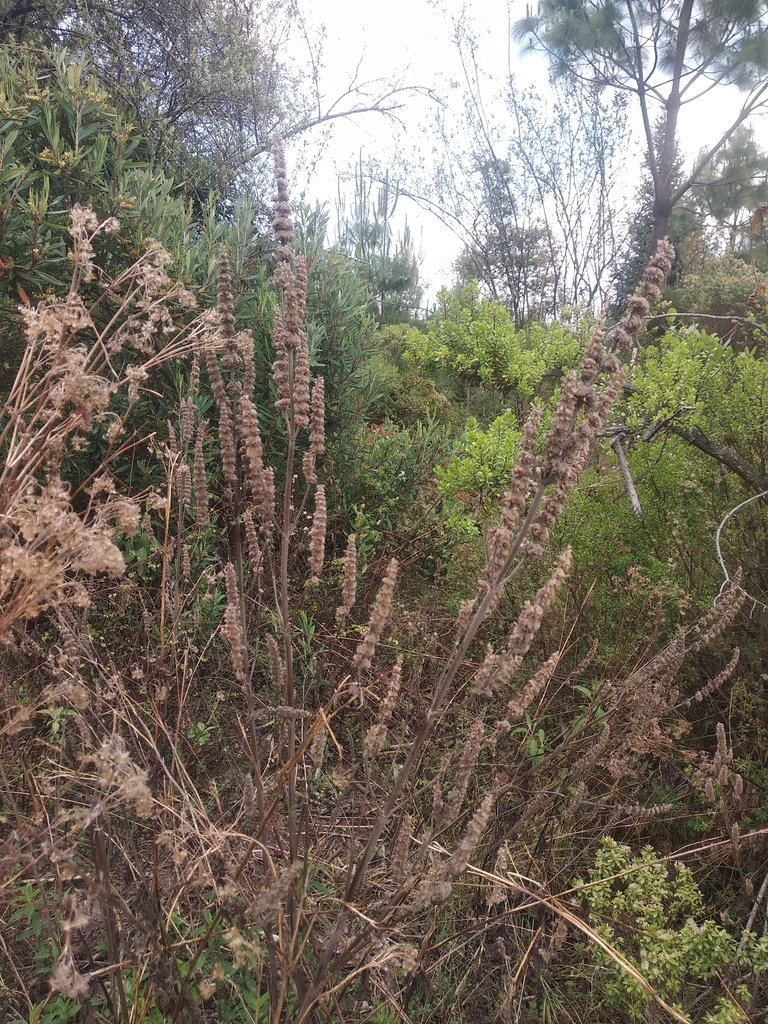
(340, 679)
(254, 771)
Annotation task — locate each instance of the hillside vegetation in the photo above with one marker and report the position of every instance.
(358, 666)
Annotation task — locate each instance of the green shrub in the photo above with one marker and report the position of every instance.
(652, 912)
(724, 296)
(475, 342)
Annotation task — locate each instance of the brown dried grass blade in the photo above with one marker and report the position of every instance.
(576, 922)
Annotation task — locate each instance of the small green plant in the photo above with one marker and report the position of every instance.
(52, 1010)
(57, 719)
(201, 733)
(479, 471)
(652, 911)
(26, 907)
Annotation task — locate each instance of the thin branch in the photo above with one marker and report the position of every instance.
(721, 560)
(753, 914)
(621, 458)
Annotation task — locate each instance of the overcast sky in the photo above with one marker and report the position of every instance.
(413, 42)
(410, 42)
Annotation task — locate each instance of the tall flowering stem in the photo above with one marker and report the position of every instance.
(538, 489)
(302, 407)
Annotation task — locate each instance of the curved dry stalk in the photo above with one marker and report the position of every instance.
(520, 884)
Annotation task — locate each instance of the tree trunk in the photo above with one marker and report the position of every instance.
(664, 179)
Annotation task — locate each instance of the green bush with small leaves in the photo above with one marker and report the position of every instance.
(481, 467)
(652, 912)
(475, 342)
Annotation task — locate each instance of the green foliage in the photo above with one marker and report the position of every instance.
(226, 974)
(402, 392)
(53, 1010)
(26, 908)
(680, 374)
(654, 913)
(481, 466)
(408, 398)
(475, 340)
(678, 488)
(692, 389)
(383, 491)
(732, 191)
(205, 82)
(696, 380)
(61, 143)
(723, 296)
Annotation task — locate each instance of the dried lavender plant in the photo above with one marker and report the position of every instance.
(361, 660)
(538, 490)
(309, 894)
(100, 773)
(68, 375)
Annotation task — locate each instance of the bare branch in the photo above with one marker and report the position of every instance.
(624, 467)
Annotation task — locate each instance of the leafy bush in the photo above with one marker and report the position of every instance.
(724, 296)
(652, 912)
(480, 468)
(475, 341)
(693, 379)
(383, 490)
(403, 393)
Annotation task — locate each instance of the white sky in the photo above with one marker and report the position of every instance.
(409, 41)
(412, 41)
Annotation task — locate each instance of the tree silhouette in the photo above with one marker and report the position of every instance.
(667, 53)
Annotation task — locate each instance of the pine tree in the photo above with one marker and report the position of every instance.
(732, 196)
(668, 53)
(389, 261)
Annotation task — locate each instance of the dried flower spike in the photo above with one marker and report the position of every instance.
(232, 625)
(349, 588)
(367, 647)
(317, 535)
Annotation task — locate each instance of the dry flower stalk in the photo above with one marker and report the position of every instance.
(473, 744)
(498, 668)
(349, 587)
(200, 480)
(259, 480)
(62, 390)
(317, 535)
(226, 418)
(438, 883)
(232, 624)
(231, 356)
(374, 737)
(361, 661)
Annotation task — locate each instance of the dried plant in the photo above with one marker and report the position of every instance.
(70, 371)
(341, 825)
